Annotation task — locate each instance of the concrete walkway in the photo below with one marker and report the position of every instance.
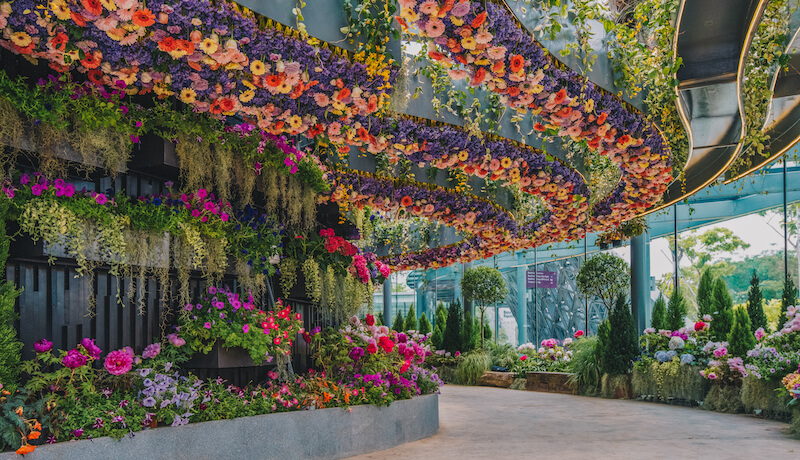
(495, 423)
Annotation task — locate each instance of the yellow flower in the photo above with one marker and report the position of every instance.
(537, 89)
(209, 46)
(458, 22)
(257, 67)
(21, 39)
(248, 84)
(463, 155)
(469, 43)
(589, 106)
(109, 5)
(284, 88)
(295, 121)
(505, 162)
(247, 96)
(60, 9)
(188, 95)
(409, 15)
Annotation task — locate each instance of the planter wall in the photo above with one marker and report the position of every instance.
(326, 433)
(759, 397)
(550, 382)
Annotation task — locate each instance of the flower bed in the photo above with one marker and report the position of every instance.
(325, 433)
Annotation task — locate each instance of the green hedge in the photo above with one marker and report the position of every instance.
(669, 381)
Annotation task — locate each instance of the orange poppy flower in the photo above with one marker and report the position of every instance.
(479, 20)
(602, 118)
(343, 94)
(144, 18)
(560, 96)
(517, 61)
(479, 76)
(59, 42)
(273, 80)
(215, 108)
(406, 201)
(186, 46)
(92, 6)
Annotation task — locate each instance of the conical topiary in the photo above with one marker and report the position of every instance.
(788, 299)
(741, 338)
(468, 333)
(705, 293)
(676, 310)
(659, 320)
(410, 323)
(399, 322)
(722, 316)
(452, 331)
(424, 325)
(755, 304)
(623, 342)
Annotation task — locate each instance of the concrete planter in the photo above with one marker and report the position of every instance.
(550, 382)
(325, 433)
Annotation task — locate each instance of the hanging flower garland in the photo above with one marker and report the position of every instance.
(482, 41)
(208, 54)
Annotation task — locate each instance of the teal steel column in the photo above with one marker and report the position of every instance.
(522, 305)
(387, 301)
(640, 280)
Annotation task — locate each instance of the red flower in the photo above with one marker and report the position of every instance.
(699, 326)
(479, 20)
(523, 357)
(560, 96)
(539, 127)
(226, 104)
(92, 6)
(405, 366)
(144, 18)
(59, 42)
(479, 76)
(344, 93)
(517, 61)
(273, 80)
(95, 76)
(370, 320)
(168, 44)
(406, 201)
(386, 344)
(602, 118)
(78, 19)
(372, 348)
(578, 333)
(92, 60)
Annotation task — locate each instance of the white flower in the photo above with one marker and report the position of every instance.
(676, 343)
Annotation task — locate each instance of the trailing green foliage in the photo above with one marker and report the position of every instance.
(452, 340)
(623, 343)
(604, 276)
(669, 380)
(424, 325)
(755, 304)
(10, 346)
(722, 317)
(705, 294)
(659, 320)
(410, 323)
(399, 323)
(676, 310)
(789, 298)
(741, 338)
(724, 398)
(472, 367)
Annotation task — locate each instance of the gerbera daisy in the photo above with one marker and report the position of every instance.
(144, 18)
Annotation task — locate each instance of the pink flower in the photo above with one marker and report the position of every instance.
(91, 349)
(760, 333)
(224, 217)
(458, 353)
(175, 340)
(202, 193)
(42, 346)
(207, 325)
(151, 351)
(712, 376)
(523, 357)
(246, 328)
(578, 333)
(118, 362)
(74, 359)
(720, 352)
(101, 198)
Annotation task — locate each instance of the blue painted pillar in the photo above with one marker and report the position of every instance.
(640, 280)
(387, 301)
(522, 305)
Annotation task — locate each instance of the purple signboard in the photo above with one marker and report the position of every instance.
(541, 279)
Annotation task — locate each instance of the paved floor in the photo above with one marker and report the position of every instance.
(495, 423)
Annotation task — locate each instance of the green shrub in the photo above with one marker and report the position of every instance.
(755, 304)
(760, 395)
(722, 317)
(469, 336)
(669, 380)
(10, 347)
(424, 325)
(616, 386)
(659, 320)
(724, 398)
(584, 366)
(472, 367)
(705, 293)
(676, 310)
(503, 355)
(410, 323)
(741, 338)
(379, 319)
(452, 340)
(623, 343)
(603, 336)
(399, 323)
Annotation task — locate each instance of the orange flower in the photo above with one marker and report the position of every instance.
(25, 449)
(539, 127)
(185, 46)
(406, 201)
(78, 19)
(92, 6)
(273, 80)
(59, 42)
(34, 435)
(560, 96)
(18, 411)
(37, 426)
(344, 93)
(92, 60)
(479, 20)
(517, 61)
(95, 76)
(480, 75)
(144, 18)
(167, 44)
(602, 118)
(226, 104)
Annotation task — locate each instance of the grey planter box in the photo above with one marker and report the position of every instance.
(325, 433)
(222, 358)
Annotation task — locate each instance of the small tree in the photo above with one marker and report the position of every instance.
(722, 316)
(604, 276)
(452, 340)
(705, 293)
(659, 320)
(399, 323)
(468, 337)
(424, 325)
(676, 310)
(623, 343)
(788, 299)
(741, 338)
(484, 285)
(437, 338)
(755, 304)
(410, 323)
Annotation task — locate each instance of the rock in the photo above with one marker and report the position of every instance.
(496, 379)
